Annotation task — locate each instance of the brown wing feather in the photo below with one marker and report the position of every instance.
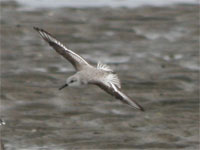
(77, 61)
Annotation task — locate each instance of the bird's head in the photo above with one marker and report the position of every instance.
(72, 81)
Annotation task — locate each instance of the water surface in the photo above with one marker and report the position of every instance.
(153, 49)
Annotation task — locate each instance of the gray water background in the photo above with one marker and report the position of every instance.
(155, 51)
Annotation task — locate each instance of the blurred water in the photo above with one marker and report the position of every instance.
(31, 4)
(155, 51)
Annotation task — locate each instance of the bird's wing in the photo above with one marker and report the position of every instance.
(77, 61)
(117, 93)
(104, 67)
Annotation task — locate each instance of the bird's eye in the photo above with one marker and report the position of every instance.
(72, 81)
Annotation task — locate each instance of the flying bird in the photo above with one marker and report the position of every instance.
(101, 75)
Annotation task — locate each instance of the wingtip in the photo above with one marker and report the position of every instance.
(142, 109)
(139, 107)
(36, 28)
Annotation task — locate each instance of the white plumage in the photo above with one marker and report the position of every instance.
(103, 67)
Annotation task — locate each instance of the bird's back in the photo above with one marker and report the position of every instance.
(92, 74)
(95, 75)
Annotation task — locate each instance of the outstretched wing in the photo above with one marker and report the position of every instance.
(117, 93)
(77, 61)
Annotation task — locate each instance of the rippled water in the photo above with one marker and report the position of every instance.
(33, 4)
(153, 49)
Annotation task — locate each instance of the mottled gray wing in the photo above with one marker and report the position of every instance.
(117, 93)
(77, 61)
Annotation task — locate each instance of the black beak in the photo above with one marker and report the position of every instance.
(65, 85)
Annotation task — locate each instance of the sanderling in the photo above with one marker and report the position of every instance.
(102, 75)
